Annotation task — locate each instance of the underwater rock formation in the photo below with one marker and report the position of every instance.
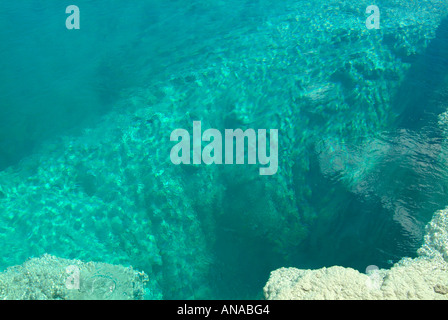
(424, 277)
(49, 278)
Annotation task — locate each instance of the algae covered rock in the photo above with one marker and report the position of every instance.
(52, 278)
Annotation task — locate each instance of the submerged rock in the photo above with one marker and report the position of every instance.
(53, 278)
(422, 278)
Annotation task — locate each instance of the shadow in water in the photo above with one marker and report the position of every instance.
(417, 99)
(374, 199)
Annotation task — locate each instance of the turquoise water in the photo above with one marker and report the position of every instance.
(86, 117)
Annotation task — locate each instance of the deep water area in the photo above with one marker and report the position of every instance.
(86, 117)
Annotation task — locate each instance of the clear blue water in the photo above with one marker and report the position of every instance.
(86, 116)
